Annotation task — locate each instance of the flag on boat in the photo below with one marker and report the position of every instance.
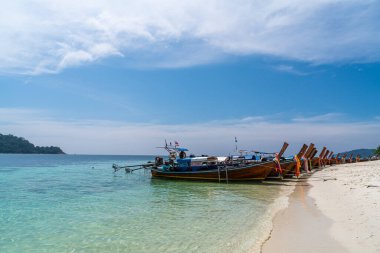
(176, 143)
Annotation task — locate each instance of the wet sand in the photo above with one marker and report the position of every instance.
(336, 210)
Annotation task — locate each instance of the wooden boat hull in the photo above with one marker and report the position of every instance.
(287, 167)
(258, 171)
(315, 162)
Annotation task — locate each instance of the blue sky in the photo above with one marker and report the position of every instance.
(120, 77)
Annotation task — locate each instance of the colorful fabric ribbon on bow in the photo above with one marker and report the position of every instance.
(298, 166)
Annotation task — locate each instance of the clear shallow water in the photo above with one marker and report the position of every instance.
(75, 203)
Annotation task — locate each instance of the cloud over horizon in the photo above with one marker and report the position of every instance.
(215, 137)
(41, 36)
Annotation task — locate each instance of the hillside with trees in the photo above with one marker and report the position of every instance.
(11, 144)
(377, 151)
(362, 152)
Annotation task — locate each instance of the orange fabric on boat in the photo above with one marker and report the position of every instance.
(298, 166)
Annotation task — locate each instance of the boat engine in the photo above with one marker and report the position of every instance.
(159, 161)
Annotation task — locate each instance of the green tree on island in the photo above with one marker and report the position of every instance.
(377, 151)
(18, 145)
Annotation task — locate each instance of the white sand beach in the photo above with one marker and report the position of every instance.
(337, 209)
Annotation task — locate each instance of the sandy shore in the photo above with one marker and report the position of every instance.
(336, 210)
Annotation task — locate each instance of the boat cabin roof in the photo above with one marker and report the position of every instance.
(203, 159)
(181, 149)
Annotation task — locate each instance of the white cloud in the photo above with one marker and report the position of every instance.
(46, 36)
(217, 137)
(320, 118)
(291, 70)
(13, 115)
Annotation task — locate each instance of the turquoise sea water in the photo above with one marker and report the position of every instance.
(75, 203)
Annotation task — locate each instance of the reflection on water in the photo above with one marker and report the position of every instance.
(76, 204)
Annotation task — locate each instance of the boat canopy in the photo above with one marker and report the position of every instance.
(222, 158)
(182, 149)
(199, 158)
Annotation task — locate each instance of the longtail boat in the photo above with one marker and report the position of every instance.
(350, 159)
(293, 171)
(313, 160)
(365, 159)
(318, 160)
(211, 167)
(329, 157)
(240, 172)
(286, 165)
(324, 159)
(343, 158)
(335, 159)
(306, 156)
(289, 166)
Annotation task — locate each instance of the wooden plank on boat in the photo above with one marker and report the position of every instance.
(309, 150)
(302, 151)
(312, 155)
(323, 152)
(283, 149)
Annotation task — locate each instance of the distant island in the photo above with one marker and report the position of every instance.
(11, 144)
(364, 152)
